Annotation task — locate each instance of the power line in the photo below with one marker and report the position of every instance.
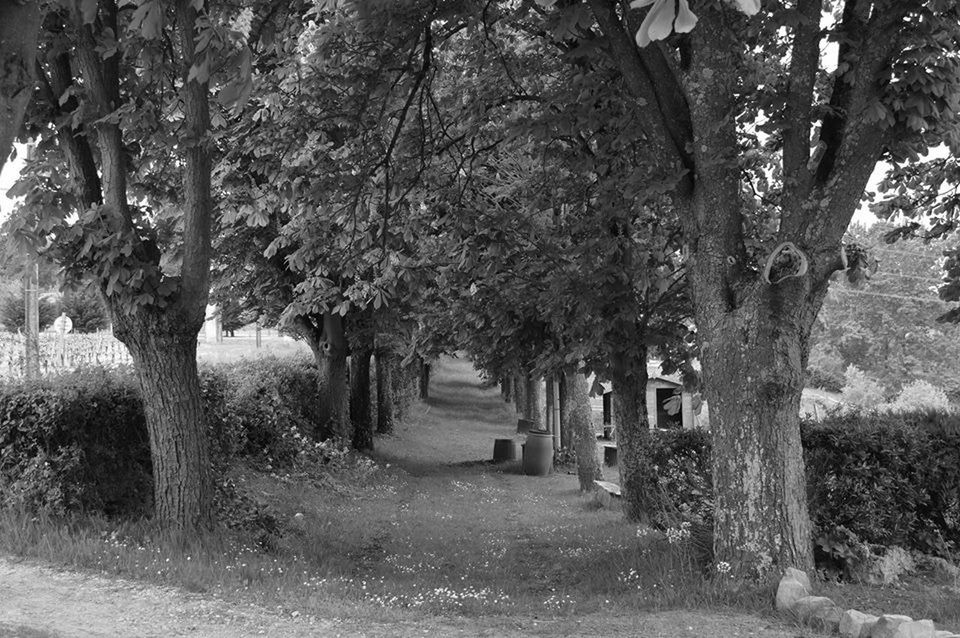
(888, 296)
(905, 252)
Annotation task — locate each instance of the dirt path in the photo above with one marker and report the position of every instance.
(40, 602)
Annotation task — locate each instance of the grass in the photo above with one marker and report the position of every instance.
(429, 527)
(244, 346)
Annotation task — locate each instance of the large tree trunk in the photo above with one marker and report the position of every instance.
(578, 418)
(332, 381)
(385, 400)
(19, 26)
(360, 399)
(164, 352)
(753, 379)
(642, 497)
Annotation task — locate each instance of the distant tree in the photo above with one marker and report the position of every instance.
(12, 311)
(85, 309)
(887, 325)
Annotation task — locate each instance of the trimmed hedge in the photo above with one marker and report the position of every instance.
(874, 478)
(890, 479)
(75, 442)
(78, 442)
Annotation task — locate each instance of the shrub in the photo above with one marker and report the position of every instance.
(877, 479)
(888, 479)
(85, 309)
(825, 369)
(920, 395)
(75, 442)
(860, 390)
(78, 442)
(270, 408)
(12, 312)
(683, 465)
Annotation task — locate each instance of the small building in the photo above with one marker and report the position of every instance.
(663, 391)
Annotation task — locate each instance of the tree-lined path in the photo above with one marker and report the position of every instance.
(445, 544)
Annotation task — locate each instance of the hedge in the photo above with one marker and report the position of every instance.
(75, 442)
(78, 442)
(873, 478)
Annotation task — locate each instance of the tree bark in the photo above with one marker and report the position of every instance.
(566, 431)
(532, 410)
(164, 352)
(332, 382)
(360, 399)
(639, 482)
(19, 26)
(520, 392)
(424, 380)
(578, 417)
(753, 381)
(385, 399)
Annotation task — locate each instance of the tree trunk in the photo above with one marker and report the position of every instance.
(332, 374)
(753, 378)
(164, 353)
(19, 26)
(360, 400)
(566, 431)
(532, 411)
(385, 399)
(642, 497)
(578, 417)
(520, 392)
(424, 380)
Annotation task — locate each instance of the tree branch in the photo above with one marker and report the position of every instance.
(802, 74)
(197, 209)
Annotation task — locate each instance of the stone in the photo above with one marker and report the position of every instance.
(826, 620)
(916, 629)
(856, 624)
(807, 608)
(800, 576)
(886, 626)
(789, 591)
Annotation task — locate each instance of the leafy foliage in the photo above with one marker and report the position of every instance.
(85, 309)
(12, 311)
(887, 325)
(77, 441)
(269, 408)
(878, 479)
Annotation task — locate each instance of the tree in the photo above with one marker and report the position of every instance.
(766, 153)
(126, 90)
(85, 309)
(12, 311)
(19, 25)
(886, 325)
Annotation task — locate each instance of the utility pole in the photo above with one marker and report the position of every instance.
(31, 328)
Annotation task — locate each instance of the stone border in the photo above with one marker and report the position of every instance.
(794, 596)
